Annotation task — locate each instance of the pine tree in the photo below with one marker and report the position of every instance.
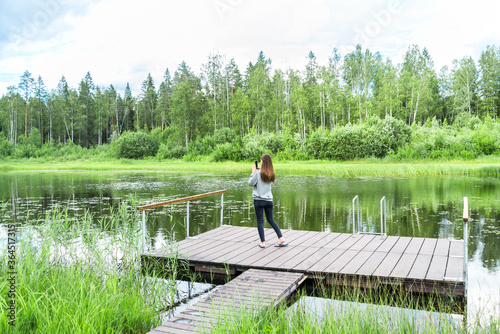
(26, 86)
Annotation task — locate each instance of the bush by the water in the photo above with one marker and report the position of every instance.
(467, 138)
(5, 146)
(135, 145)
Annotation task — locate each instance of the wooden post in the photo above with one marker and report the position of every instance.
(187, 224)
(466, 242)
(143, 231)
(221, 207)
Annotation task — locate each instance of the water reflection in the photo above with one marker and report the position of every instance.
(418, 207)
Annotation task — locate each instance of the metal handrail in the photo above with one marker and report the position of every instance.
(143, 208)
(466, 244)
(356, 198)
(383, 218)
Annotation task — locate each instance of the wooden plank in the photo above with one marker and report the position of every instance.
(400, 245)
(268, 234)
(204, 321)
(454, 269)
(246, 248)
(247, 258)
(437, 268)
(371, 264)
(188, 248)
(356, 262)
(199, 252)
(420, 266)
(414, 246)
(405, 263)
(172, 325)
(290, 253)
(214, 231)
(247, 295)
(326, 260)
(317, 256)
(252, 256)
(336, 241)
(456, 248)
(387, 245)
(227, 258)
(365, 240)
(221, 233)
(274, 254)
(289, 237)
(224, 252)
(374, 244)
(428, 247)
(172, 248)
(341, 261)
(387, 264)
(349, 242)
(170, 330)
(442, 247)
(302, 237)
(241, 234)
(327, 238)
(308, 251)
(312, 240)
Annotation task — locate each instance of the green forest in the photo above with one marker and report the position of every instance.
(356, 106)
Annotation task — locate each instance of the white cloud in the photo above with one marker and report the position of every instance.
(122, 41)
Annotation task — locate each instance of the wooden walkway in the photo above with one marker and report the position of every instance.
(253, 289)
(416, 264)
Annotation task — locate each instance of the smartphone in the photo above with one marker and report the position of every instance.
(256, 165)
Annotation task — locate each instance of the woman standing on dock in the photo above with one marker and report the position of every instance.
(260, 180)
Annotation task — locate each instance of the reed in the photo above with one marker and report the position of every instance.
(372, 167)
(347, 311)
(83, 276)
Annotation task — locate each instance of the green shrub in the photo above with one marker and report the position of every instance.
(396, 132)
(35, 139)
(222, 152)
(70, 150)
(348, 143)
(48, 149)
(29, 147)
(5, 147)
(485, 139)
(318, 145)
(272, 142)
(135, 145)
(253, 148)
(224, 135)
(176, 152)
(201, 146)
(237, 149)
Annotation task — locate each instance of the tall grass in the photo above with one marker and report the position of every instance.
(76, 276)
(489, 166)
(345, 311)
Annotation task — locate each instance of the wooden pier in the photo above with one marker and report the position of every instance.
(270, 275)
(415, 264)
(249, 291)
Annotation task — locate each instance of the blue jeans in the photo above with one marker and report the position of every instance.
(267, 207)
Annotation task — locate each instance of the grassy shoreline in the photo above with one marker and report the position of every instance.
(489, 166)
(74, 277)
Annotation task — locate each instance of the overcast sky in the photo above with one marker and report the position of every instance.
(121, 41)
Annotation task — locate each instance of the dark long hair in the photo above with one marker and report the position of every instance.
(267, 170)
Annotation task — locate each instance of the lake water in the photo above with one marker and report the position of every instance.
(416, 207)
